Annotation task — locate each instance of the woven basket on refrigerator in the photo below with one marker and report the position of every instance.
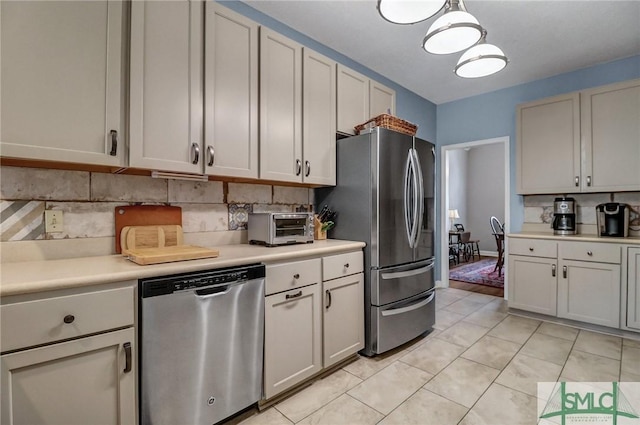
(390, 122)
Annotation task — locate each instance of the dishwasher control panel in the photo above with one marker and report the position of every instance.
(152, 287)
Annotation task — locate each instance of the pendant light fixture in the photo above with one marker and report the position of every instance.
(408, 11)
(454, 31)
(481, 60)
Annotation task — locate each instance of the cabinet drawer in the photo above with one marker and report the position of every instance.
(340, 265)
(283, 277)
(29, 323)
(533, 247)
(591, 251)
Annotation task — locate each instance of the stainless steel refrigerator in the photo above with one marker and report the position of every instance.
(385, 197)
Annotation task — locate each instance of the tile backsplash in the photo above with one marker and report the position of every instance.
(539, 208)
(88, 201)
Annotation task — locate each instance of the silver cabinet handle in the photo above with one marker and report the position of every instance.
(195, 153)
(114, 143)
(588, 180)
(211, 154)
(564, 272)
(553, 270)
(296, 276)
(298, 167)
(127, 357)
(296, 295)
(577, 181)
(589, 253)
(328, 296)
(307, 165)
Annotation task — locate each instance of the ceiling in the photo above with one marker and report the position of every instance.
(540, 38)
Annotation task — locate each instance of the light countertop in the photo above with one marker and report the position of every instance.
(579, 238)
(36, 276)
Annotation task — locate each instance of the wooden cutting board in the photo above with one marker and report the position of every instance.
(144, 215)
(167, 254)
(134, 237)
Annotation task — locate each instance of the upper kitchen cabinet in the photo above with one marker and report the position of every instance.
(611, 137)
(166, 85)
(297, 112)
(61, 74)
(230, 93)
(318, 118)
(280, 107)
(580, 141)
(548, 145)
(360, 99)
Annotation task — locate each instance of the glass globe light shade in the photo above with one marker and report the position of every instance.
(408, 11)
(481, 60)
(454, 31)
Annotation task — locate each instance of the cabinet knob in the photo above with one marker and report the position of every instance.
(531, 249)
(346, 266)
(589, 253)
(69, 318)
(296, 276)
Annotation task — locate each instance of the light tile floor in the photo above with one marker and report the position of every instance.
(479, 366)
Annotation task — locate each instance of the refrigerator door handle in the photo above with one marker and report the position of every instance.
(420, 200)
(394, 311)
(407, 179)
(407, 273)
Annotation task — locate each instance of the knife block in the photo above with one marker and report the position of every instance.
(318, 233)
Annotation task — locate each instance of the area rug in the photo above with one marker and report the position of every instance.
(480, 272)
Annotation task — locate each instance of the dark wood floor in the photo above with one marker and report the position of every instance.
(482, 289)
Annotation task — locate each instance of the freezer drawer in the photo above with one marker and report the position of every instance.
(394, 324)
(397, 283)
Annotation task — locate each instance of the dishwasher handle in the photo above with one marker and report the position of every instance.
(217, 289)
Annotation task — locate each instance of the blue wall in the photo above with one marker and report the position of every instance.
(494, 114)
(409, 106)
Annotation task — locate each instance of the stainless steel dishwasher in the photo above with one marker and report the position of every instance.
(201, 344)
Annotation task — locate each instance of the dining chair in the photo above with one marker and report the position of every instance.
(498, 233)
(467, 247)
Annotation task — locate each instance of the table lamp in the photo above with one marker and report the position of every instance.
(453, 214)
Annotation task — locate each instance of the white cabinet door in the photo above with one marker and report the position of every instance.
(382, 99)
(319, 118)
(533, 284)
(343, 318)
(280, 107)
(292, 338)
(589, 292)
(611, 137)
(633, 288)
(61, 79)
(353, 99)
(75, 383)
(548, 145)
(231, 93)
(166, 98)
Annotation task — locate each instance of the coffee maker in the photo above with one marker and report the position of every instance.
(613, 219)
(564, 216)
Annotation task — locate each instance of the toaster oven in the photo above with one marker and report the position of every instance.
(273, 229)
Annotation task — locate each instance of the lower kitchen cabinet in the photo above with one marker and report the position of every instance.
(633, 288)
(343, 318)
(79, 382)
(69, 357)
(292, 339)
(533, 284)
(590, 292)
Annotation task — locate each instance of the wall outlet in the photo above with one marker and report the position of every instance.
(53, 221)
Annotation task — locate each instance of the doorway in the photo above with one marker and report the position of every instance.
(449, 183)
